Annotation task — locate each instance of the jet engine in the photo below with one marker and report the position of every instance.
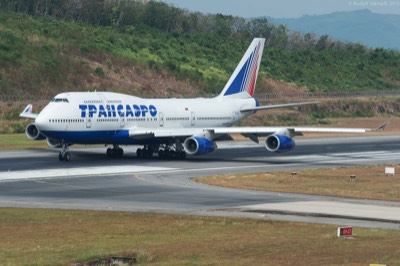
(198, 145)
(33, 133)
(279, 143)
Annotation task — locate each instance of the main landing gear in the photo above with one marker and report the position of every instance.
(64, 154)
(167, 151)
(171, 151)
(171, 154)
(115, 152)
(147, 152)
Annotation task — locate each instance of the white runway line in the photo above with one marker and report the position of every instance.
(343, 157)
(81, 171)
(369, 211)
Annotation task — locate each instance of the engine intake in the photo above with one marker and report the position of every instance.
(198, 145)
(279, 143)
(33, 133)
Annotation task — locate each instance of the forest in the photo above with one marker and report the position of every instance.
(47, 46)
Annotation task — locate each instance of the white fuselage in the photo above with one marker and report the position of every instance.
(104, 117)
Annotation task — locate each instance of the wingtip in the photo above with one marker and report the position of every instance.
(28, 109)
(382, 126)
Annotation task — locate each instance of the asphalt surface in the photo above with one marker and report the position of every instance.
(36, 179)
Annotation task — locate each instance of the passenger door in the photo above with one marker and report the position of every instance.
(161, 117)
(193, 119)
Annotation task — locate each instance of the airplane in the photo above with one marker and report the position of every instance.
(171, 128)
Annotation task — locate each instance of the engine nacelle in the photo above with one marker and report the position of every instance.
(198, 145)
(33, 133)
(279, 143)
(53, 143)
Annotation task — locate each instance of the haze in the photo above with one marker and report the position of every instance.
(285, 8)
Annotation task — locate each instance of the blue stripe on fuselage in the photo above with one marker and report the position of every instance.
(120, 137)
(91, 137)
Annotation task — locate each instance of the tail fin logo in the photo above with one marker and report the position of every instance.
(245, 75)
(249, 82)
(28, 109)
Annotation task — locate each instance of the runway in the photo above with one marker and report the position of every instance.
(36, 179)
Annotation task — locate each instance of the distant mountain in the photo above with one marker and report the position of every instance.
(362, 26)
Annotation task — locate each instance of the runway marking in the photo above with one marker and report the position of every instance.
(369, 211)
(362, 154)
(80, 171)
(344, 157)
(189, 170)
(109, 170)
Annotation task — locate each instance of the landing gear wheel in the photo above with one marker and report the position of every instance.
(109, 153)
(148, 153)
(67, 157)
(64, 156)
(161, 154)
(171, 155)
(139, 153)
(115, 152)
(119, 153)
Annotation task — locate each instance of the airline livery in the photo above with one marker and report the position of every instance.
(171, 128)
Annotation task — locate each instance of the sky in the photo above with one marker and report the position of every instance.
(285, 8)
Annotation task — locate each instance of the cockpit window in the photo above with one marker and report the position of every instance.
(59, 100)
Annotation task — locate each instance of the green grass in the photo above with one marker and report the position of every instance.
(19, 142)
(62, 237)
(43, 55)
(371, 182)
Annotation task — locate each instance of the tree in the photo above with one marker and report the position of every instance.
(322, 43)
(279, 37)
(260, 27)
(223, 25)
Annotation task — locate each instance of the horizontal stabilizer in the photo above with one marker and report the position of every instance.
(27, 113)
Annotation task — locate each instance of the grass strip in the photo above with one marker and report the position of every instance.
(370, 183)
(61, 237)
(20, 142)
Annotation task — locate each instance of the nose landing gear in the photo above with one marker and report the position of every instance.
(64, 154)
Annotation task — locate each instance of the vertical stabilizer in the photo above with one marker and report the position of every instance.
(243, 80)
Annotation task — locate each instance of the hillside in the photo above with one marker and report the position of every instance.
(43, 54)
(362, 26)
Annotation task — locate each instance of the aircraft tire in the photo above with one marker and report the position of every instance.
(139, 153)
(120, 153)
(148, 153)
(67, 157)
(161, 154)
(109, 153)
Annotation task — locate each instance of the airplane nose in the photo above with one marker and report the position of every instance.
(40, 121)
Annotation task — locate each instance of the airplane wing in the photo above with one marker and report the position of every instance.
(27, 113)
(146, 133)
(266, 107)
(264, 131)
(252, 132)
